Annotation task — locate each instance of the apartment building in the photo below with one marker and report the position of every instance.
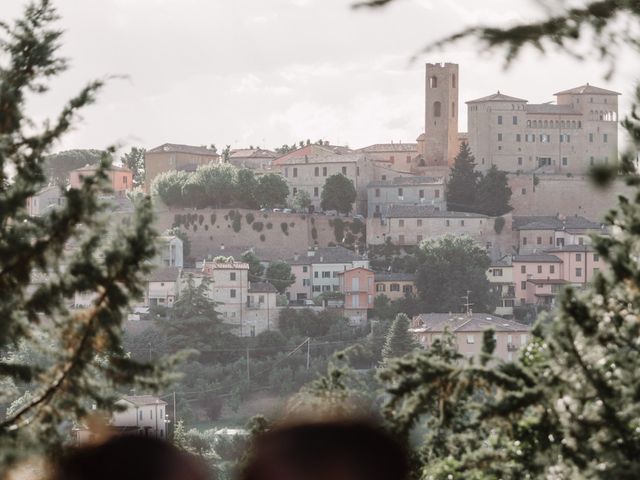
(576, 132)
(252, 158)
(162, 286)
(395, 156)
(468, 330)
(411, 224)
(318, 271)
(45, 200)
(500, 275)
(143, 415)
(538, 278)
(357, 285)
(535, 233)
(120, 178)
(171, 156)
(407, 190)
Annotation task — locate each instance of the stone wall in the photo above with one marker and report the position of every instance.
(566, 195)
(282, 234)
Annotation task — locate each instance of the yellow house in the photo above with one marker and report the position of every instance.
(394, 285)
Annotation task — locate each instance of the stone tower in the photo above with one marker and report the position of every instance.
(441, 143)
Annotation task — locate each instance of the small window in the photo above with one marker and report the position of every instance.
(523, 285)
(565, 161)
(437, 193)
(232, 276)
(519, 160)
(523, 269)
(552, 269)
(596, 257)
(591, 137)
(140, 416)
(518, 137)
(605, 137)
(437, 107)
(462, 223)
(377, 192)
(499, 137)
(515, 120)
(324, 171)
(316, 171)
(448, 223)
(433, 82)
(305, 269)
(315, 191)
(232, 293)
(539, 240)
(295, 172)
(499, 119)
(400, 192)
(578, 272)
(394, 287)
(524, 240)
(421, 193)
(401, 223)
(344, 170)
(539, 268)
(578, 257)
(419, 222)
(471, 339)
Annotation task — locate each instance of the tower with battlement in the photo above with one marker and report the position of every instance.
(440, 143)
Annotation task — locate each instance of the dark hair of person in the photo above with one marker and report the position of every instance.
(338, 450)
(130, 457)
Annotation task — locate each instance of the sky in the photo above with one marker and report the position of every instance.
(268, 72)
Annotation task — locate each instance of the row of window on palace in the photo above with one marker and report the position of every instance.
(447, 222)
(559, 242)
(436, 193)
(546, 138)
(160, 415)
(471, 339)
(606, 116)
(316, 171)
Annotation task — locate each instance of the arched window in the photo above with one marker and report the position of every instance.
(528, 123)
(601, 115)
(453, 80)
(437, 107)
(562, 124)
(433, 82)
(557, 124)
(453, 109)
(579, 124)
(535, 124)
(546, 123)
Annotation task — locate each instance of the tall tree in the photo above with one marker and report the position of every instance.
(256, 269)
(462, 187)
(82, 359)
(280, 276)
(448, 268)
(134, 161)
(168, 186)
(302, 201)
(338, 194)
(272, 191)
(246, 189)
(494, 193)
(399, 340)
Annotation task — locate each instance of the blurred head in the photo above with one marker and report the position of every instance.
(130, 458)
(326, 451)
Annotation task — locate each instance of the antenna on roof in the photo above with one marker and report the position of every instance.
(467, 305)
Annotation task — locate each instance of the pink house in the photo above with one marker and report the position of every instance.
(357, 285)
(120, 178)
(580, 263)
(543, 268)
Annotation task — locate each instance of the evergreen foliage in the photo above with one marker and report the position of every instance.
(272, 191)
(256, 269)
(494, 193)
(399, 341)
(80, 357)
(280, 276)
(338, 194)
(463, 182)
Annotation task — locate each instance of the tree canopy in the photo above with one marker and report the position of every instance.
(399, 340)
(448, 268)
(280, 276)
(338, 194)
(134, 161)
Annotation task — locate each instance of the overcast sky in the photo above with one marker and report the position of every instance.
(266, 72)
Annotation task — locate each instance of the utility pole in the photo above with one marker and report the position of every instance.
(248, 369)
(308, 352)
(175, 420)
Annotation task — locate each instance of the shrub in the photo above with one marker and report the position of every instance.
(250, 218)
(314, 233)
(262, 237)
(357, 226)
(257, 226)
(285, 228)
(195, 227)
(265, 215)
(498, 225)
(237, 223)
(213, 219)
(269, 226)
(200, 219)
(206, 227)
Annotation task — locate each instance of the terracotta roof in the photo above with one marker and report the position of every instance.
(426, 211)
(261, 287)
(551, 109)
(337, 254)
(587, 90)
(389, 147)
(476, 322)
(537, 258)
(501, 263)
(410, 180)
(311, 153)
(141, 400)
(571, 248)
(164, 274)
(94, 167)
(497, 97)
(252, 153)
(394, 277)
(179, 148)
(355, 268)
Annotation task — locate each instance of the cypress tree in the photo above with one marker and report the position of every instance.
(399, 339)
(463, 182)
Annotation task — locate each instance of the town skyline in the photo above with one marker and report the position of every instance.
(368, 93)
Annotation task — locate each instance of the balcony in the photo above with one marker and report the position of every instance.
(512, 348)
